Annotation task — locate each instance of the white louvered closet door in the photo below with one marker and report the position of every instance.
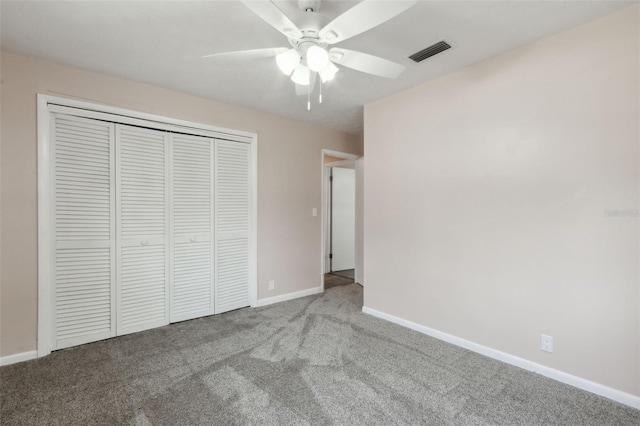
(232, 225)
(84, 227)
(192, 271)
(143, 228)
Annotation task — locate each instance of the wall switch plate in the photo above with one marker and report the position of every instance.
(272, 284)
(546, 343)
(314, 212)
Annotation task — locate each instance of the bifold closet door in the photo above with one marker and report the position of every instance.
(83, 260)
(232, 203)
(149, 227)
(192, 271)
(143, 228)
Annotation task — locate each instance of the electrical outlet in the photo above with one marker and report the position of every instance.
(272, 284)
(314, 212)
(546, 343)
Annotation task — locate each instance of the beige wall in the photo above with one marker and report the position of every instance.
(289, 180)
(485, 216)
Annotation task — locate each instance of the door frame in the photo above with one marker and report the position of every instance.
(328, 205)
(324, 235)
(46, 105)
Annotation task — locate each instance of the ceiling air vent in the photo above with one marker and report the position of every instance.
(430, 51)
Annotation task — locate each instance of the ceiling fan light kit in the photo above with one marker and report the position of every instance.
(309, 57)
(317, 58)
(328, 72)
(301, 75)
(288, 61)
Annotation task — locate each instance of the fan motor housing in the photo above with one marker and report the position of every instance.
(310, 37)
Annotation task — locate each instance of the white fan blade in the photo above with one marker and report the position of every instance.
(304, 90)
(362, 17)
(366, 63)
(250, 54)
(274, 17)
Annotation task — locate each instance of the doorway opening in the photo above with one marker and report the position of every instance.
(341, 240)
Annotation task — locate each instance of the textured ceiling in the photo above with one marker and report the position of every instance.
(163, 43)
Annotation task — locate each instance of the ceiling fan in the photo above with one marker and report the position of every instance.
(309, 56)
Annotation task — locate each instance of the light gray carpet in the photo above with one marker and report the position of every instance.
(315, 360)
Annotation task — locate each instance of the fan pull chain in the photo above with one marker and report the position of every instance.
(309, 96)
(320, 97)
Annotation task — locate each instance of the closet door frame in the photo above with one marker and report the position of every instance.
(46, 106)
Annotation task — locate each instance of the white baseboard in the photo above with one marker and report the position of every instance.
(289, 296)
(578, 382)
(24, 356)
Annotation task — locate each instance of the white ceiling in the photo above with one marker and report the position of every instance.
(163, 43)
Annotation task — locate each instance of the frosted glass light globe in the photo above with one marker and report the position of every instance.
(288, 61)
(301, 75)
(328, 72)
(317, 58)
